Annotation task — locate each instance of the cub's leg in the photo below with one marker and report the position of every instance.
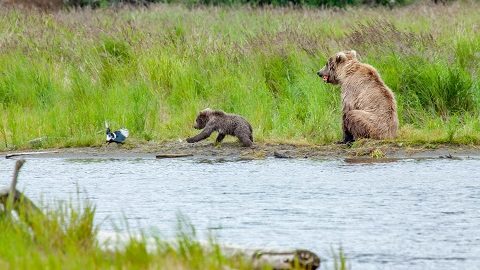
(220, 137)
(244, 138)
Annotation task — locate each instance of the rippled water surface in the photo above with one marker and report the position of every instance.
(408, 214)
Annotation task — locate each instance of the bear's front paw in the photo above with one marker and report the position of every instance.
(190, 140)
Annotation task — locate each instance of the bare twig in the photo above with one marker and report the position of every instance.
(13, 185)
(12, 199)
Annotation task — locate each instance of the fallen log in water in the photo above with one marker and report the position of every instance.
(277, 259)
(166, 155)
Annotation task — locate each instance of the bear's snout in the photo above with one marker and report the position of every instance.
(322, 74)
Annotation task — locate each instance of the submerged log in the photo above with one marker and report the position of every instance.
(167, 155)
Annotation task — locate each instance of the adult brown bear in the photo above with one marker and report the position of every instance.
(369, 106)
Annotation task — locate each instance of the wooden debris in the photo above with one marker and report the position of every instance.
(280, 155)
(166, 155)
(11, 155)
(277, 259)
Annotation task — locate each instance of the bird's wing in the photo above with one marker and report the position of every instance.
(124, 132)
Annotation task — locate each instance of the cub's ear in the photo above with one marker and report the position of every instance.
(206, 112)
(340, 57)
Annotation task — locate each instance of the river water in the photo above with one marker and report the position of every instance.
(407, 214)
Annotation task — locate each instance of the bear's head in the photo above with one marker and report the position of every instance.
(329, 71)
(202, 118)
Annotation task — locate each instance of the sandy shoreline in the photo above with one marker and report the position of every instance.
(233, 150)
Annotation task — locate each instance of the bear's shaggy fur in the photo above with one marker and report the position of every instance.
(369, 106)
(225, 124)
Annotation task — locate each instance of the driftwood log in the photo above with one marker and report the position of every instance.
(298, 258)
(12, 155)
(168, 155)
(277, 259)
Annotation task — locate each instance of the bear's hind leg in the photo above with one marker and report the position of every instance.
(347, 138)
(359, 124)
(244, 135)
(245, 140)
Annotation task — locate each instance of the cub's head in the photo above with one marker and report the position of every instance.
(202, 118)
(329, 71)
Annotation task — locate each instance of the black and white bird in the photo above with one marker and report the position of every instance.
(118, 136)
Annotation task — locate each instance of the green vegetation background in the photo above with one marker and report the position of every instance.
(152, 69)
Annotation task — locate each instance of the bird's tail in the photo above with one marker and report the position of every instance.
(106, 124)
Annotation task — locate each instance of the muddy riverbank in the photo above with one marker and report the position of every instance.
(233, 150)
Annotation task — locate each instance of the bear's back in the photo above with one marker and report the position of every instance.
(364, 89)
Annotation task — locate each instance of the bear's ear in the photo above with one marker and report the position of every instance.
(206, 112)
(340, 57)
(354, 54)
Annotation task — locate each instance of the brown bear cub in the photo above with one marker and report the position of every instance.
(225, 124)
(369, 106)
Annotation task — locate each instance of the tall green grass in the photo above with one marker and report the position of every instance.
(151, 70)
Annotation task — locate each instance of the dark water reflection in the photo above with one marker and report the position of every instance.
(403, 214)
